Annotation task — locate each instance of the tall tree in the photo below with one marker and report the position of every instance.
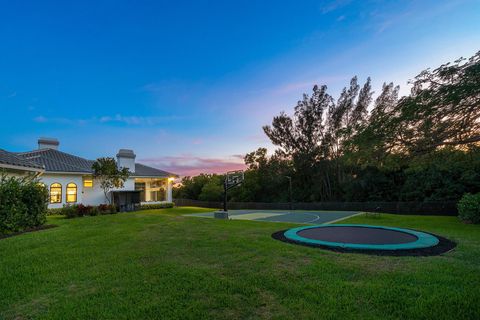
(443, 108)
(110, 175)
(346, 117)
(376, 139)
(299, 137)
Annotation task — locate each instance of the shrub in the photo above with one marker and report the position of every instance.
(70, 211)
(83, 210)
(469, 208)
(107, 209)
(104, 209)
(94, 211)
(54, 211)
(113, 209)
(163, 205)
(23, 203)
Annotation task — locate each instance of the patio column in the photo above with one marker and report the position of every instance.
(169, 189)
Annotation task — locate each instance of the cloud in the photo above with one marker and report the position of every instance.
(40, 119)
(118, 118)
(412, 14)
(135, 120)
(334, 5)
(197, 141)
(188, 165)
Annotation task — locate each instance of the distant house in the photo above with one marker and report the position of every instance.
(69, 178)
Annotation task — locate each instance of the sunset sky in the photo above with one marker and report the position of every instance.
(188, 85)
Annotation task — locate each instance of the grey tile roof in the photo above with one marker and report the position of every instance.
(58, 161)
(9, 158)
(142, 170)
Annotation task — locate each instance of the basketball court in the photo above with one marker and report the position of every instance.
(235, 178)
(294, 216)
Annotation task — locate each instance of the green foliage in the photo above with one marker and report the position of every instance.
(107, 209)
(110, 176)
(421, 147)
(54, 211)
(95, 211)
(191, 187)
(163, 205)
(80, 210)
(212, 190)
(70, 211)
(469, 208)
(23, 203)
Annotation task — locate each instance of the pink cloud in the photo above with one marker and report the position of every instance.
(187, 165)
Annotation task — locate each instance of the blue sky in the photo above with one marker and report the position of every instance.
(188, 85)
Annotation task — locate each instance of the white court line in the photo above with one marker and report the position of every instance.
(337, 220)
(313, 215)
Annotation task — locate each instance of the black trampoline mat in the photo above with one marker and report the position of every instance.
(357, 235)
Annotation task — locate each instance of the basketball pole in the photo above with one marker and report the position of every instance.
(225, 195)
(227, 187)
(290, 192)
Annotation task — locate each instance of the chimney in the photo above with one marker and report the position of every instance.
(126, 159)
(48, 143)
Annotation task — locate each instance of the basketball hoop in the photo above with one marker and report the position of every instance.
(232, 180)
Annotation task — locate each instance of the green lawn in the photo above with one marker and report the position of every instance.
(160, 264)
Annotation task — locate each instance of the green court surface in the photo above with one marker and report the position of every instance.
(294, 216)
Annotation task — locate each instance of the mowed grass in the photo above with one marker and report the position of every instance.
(161, 264)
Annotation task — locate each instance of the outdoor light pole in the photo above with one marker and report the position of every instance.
(290, 191)
(225, 188)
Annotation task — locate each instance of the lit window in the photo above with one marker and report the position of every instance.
(55, 193)
(88, 183)
(71, 192)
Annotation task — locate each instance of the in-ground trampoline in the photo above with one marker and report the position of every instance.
(367, 239)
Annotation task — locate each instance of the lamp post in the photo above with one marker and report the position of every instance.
(290, 191)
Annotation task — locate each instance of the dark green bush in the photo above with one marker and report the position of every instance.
(70, 211)
(94, 211)
(83, 210)
(469, 208)
(112, 209)
(107, 209)
(54, 211)
(163, 205)
(23, 203)
(80, 210)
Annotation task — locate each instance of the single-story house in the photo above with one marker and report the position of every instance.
(69, 178)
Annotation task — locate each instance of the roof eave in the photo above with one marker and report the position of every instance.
(21, 168)
(70, 172)
(144, 176)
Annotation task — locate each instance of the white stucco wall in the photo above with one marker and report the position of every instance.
(87, 196)
(95, 196)
(63, 179)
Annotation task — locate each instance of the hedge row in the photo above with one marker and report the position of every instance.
(23, 203)
(80, 210)
(163, 205)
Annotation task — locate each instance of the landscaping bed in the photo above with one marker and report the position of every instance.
(39, 228)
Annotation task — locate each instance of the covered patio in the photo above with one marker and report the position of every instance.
(154, 190)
